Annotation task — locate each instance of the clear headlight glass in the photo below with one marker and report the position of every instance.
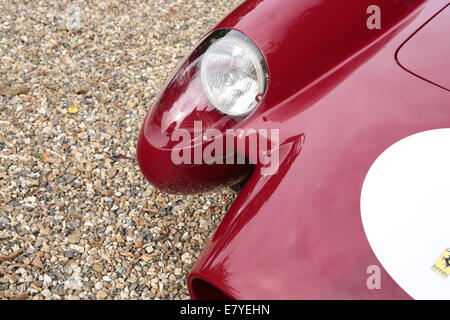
(234, 74)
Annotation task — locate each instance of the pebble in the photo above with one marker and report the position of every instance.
(46, 293)
(4, 222)
(47, 280)
(98, 285)
(98, 267)
(111, 172)
(101, 295)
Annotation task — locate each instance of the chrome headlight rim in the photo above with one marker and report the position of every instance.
(253, 54)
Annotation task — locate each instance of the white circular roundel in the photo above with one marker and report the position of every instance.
(405, 209)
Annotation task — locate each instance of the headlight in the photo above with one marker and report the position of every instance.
(233, 74)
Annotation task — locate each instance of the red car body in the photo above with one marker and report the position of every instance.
(340, 94)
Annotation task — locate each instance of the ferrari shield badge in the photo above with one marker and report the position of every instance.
(442, 265)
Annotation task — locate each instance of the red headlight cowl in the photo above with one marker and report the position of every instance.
(183, 104)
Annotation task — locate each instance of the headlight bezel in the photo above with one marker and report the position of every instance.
(236, 40)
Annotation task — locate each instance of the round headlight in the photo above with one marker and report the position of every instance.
(233, 74)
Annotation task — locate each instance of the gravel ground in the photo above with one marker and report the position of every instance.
(77, 219)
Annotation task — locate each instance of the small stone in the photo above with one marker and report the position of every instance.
(149, 249)
(74, 238)
(98, 267)
(71, 254)
(73, 224)
(111, 173)
(101, 295)
(138, 243)
(60, 291)
(88, 285)
(146, 257)
(47, 280)
(186, 258)
(119, 238)
(46, 293)
(76, 247)
(73, 283)
(10, 91)
(37, 263)
(72, 109)
(20, 297)
(98, 285)
(4, 222)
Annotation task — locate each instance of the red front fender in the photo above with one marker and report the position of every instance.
(298, 234)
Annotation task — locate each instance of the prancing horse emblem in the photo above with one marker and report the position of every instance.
(447, 261)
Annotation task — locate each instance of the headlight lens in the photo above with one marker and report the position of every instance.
(233, 74)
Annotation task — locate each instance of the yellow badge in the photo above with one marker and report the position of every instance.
(442, 265)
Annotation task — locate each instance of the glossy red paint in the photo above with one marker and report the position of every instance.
(339, 98)
(436, 53)
(157, 166)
